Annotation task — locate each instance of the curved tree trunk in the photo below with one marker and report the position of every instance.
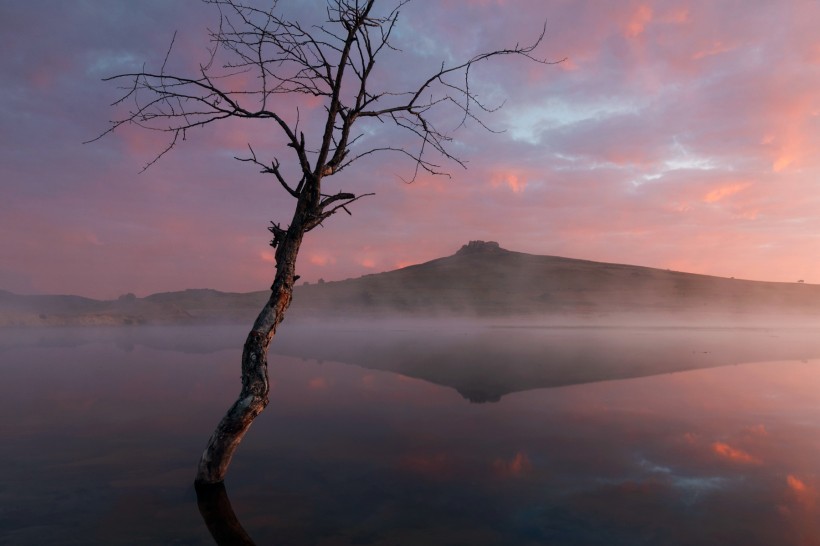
(335, 65)
(253, 398)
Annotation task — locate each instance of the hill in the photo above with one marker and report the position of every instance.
(486, 280)
(481, 279)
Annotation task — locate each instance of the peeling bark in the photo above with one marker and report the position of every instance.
(253, 397)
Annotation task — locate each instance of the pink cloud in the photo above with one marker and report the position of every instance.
(402, 264)
(715, 49)
(720, 193)
(678, 16)
(669, 138)
(638, 21)
(733, 454)
(802, 492)
(514, 181)
(321, 260)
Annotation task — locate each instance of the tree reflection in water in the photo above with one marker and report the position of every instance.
(215, 507)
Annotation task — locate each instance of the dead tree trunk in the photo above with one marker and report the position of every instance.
(333, 63)
(253, 397)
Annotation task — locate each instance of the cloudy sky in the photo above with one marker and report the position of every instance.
(676, 134)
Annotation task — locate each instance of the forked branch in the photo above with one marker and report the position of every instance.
(334, 62)
(258, 55)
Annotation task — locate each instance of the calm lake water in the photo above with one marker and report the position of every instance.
(102, 431)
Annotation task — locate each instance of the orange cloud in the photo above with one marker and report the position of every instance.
(317, 383)
(758, 430)
(515, 181)
(733, 454)
(790, 139)
(678, 16)
(518, 465)
(716, 49)
(786, 157)
(568, 65)
(690, 437)
(804, 493)
(403, 263)
(724, 191)
(796, 484)
(638, 22)
(321, 260)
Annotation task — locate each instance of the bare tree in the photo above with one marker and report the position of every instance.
(334, 63)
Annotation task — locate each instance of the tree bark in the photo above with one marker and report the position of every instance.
(253, 397)
(333, 63)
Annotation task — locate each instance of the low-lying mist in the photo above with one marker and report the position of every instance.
(481, 280)
(483, 359)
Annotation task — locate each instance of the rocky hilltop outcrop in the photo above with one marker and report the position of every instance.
(480, 247)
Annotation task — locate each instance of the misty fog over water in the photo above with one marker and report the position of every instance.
(417, 432)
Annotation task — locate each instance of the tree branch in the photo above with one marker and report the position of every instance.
(333, 62)
(273, 169)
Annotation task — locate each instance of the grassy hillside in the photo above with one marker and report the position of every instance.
(484, 279)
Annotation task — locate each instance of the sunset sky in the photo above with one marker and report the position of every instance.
(676, 134)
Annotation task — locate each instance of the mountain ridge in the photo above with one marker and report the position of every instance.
(480, 279)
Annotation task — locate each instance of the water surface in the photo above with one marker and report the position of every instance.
(102, 431)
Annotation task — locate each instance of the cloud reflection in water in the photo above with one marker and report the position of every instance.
(104, 443)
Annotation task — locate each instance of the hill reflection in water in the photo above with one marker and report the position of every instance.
(103, 437)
